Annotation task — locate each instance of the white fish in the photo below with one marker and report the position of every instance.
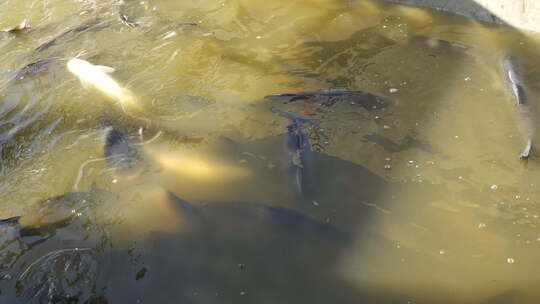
(98, 77)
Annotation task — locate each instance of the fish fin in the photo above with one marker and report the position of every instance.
(105, 69)
(86, 85)
(527, 150)
(184, 207)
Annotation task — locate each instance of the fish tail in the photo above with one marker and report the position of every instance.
(527, 150)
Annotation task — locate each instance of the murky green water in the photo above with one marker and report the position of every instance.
(416, 197)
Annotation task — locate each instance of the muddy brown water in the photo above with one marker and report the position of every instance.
(421, 199)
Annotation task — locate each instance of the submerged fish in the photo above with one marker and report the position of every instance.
(514, 78)
(238, 219)
(98, 77)
(369, 101)
(31, 69)
(299, 150)
(69, 34)
(120, 153)
(239, 243)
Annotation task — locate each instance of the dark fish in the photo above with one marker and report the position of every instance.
(242, 219)
(37, 67)
(34, 68)
(68, 35)
(514, 78)
(299, 150)
(239, 252)
(118, 150)
(392, 147)
(369, 101)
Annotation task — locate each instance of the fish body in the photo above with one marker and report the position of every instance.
(120, 152)
(68, 35)
(514, 78)
(367, 100)
(251, 246)
(98, 77)
(242, 219)
(299, 151)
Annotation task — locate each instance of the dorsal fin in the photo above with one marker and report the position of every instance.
(105, 69)
(184, 207)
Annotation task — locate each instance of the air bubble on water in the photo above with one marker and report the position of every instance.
(510, 261)
(493, 187)
(481, 225)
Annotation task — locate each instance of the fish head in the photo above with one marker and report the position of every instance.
(75, 65)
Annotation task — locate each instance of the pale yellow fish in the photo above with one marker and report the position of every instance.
(98, 77)
(197, 167)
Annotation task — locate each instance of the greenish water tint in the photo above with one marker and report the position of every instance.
(301, 151)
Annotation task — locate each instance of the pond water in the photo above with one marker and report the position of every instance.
(395, 179)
